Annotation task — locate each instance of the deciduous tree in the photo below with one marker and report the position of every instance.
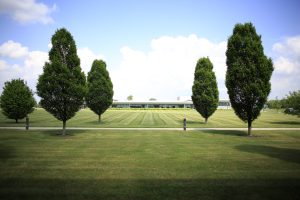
(100, 88)
(205, 90)
(292, 103)
(248, 73)
(62, 86)
(16, 100)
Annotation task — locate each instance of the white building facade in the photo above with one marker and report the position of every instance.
(223, 104)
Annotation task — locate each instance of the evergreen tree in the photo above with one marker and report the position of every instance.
(100, 88)
(62, 85)
(248, 73)
(16, 100)
(205, 90)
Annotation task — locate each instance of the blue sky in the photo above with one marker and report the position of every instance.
(150, 47)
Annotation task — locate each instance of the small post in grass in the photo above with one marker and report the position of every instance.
(27, 122)
(184, 123)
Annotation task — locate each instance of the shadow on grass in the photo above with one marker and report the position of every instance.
(289, 155)
(194, 122)
(286, 122)
(58, 132)
(226, 132)
(6, 152)
(18, 188)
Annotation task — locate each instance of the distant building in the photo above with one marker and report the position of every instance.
(223, 104)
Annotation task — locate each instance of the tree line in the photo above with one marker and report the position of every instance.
(63, 86)
(290, 104)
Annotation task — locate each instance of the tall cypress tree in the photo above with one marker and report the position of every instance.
(16, 100)
(248, 73)
(100, 88)
(205, 90)
(62, 85)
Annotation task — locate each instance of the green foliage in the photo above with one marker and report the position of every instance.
(292, 103)
(62, 86)
(16, 100)
(205, 90)
(248, 73)
(274, 104)
(130, 98)
(100, 88)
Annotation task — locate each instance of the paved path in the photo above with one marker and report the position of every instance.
(153, 129)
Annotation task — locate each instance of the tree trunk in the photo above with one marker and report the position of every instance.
(99, 118)
(249, 127)
(16, 120)
(206, 120)
(64, 128)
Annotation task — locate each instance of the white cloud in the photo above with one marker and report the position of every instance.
(284, 65)
(33, 65)
(13, 50)
(289, 47)
(287, 66)
(3, 65)
(87, 57)
(27, 11)
(167, 70)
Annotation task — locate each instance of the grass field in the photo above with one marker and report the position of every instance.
(149, 165)
(157, 118)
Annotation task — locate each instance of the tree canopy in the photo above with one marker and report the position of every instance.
(292, 103)
(205, 90)
(16, 100)
(248, 73)
(100, 88)
(62, 86)
(130, 98)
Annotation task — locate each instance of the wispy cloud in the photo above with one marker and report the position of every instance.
(27, 11)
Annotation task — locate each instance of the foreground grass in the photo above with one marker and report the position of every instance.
(149, 165)
(157, 118)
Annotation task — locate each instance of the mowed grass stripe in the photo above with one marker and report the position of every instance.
(148, 120)
(149, 165)
(114, 116)
(120, 118)
(128, 119)
(157, 118)
(139, 119)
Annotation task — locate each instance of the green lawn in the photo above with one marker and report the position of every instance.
(157, 118)
(149, 165)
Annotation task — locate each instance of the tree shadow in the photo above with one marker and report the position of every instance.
(286, 122)
(226, 132)
(58, 132)
(289, 155)
(195, 122)
(136, 189)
